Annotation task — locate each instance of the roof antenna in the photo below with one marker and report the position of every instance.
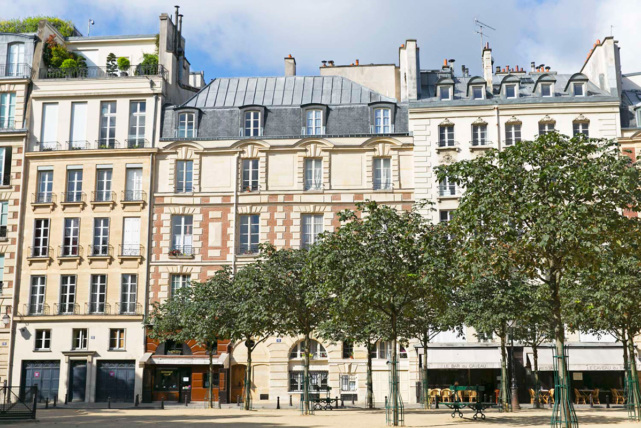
(89, 24)
(481, 26)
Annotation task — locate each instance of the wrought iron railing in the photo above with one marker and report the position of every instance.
(250, 188)
(447, 143)
(39, 252)
(97, 308)
(129, 308)
(103, 196)
(100, 251)
(66, 309)
(248, 249)
(43, 198)
(7, 123)
(130, 250)
(21, 70)
(73, 197)
(96, 72)
(181, 251)
(100, 144)
(106, 144)
(69, 251)
(137, 143)
(134, 195)
(34, 309)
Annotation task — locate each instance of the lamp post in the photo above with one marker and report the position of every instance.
(6, 319)
(515, 391)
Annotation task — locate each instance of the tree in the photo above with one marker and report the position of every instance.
(551, 203)
(291, 284)
(378, 253)
(195, 313)
(112, 66)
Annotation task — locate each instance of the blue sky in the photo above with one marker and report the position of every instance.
(251, 37)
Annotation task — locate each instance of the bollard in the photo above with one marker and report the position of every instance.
(607, 401)
(137, 402)
(386, 401)
(66, 399)
(109, 402)
(591, 401)
(277, 403)
(219, 403)
(437, 399)
(55, 401)
(342, 402)
(290, 401)
(352, 399)
(47, 403)
(162, 403)
(186, 401)
(238, 400)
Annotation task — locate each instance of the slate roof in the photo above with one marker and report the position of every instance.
(283, 91)
(630, 102)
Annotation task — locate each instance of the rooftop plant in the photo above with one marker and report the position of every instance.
(30, 25)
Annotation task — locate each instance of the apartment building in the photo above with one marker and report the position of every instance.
(88, 165)
(267, 159)
(16, 58)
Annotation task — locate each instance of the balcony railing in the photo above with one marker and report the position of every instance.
(246, 249)
(480, 143)
(103, 196)
(100, 144)
(129, 308)
(39, 252)
(137, 143)
(387, 129)
(446, 190)
(43, 198)
(7, 124)
(134, 195)
(36, 309)
(66, 308)
(314, 186)
(97, 308)
(106, 144)
(70, 251)
(130, 250)
(100, 251)
(247, 133)
(250, 188)
(95, 72)
(21, 70)
(73, 197)
(181, 251)
(447, 143)
(312, 131)
(383, 186)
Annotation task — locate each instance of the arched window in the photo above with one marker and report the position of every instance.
(316, 350)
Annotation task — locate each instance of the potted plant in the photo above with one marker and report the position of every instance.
(69, 66)
(175, 252)
(123, 65)
(112, 68)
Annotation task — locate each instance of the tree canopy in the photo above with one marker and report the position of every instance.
(30, 25)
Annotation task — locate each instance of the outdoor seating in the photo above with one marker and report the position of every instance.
(544, 396)
(595, 396)
(532, 396)
(551, 396)
(617, 397)
(436, 392)
(446, 395)
(471, 396)
(579, 398)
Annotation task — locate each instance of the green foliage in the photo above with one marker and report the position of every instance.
(55, 55)
(112, 67)
(30, 25)
(149, 59)
(69, 64)
(123, 63)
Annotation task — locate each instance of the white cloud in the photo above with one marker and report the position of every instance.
(251, 37)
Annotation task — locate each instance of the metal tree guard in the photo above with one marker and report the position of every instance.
(426, 400)
(566, 418)
(632, 394)
(394, 410)
(309, 409)
(248, 396)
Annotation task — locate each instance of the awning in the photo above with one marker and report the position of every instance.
(462, 357)
(185, 360)
(582, 359)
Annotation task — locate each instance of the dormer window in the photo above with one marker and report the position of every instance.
(578, 89)
(445, 93)
(382, 120)
(510, 91)
(546, 89)
(252, 126)
(314, 124)
(477, 92)
(186, 125)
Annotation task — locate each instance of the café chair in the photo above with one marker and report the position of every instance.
(579, 397)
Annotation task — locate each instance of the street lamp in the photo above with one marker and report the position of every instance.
(6, 319)
(515, 390)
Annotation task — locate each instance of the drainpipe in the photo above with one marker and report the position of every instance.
(498, 126)
(235, 210)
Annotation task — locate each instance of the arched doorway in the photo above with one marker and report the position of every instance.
(238, 382)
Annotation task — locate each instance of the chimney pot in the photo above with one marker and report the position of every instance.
(403, 46)
(331, 62)
(445, 63)
(357, 62)
(598, 41)
(548, 68)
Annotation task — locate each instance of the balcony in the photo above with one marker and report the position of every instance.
(95, 72)
(97, 308)
(103, 198)
(100, 144)
(70, 253)
(133, 252)
(182, 252)
(66, 309)
(100, 252)
(15, 71)
(36, 309)
(479, 145)
(448, 145)
(129, 308)
(133, 197)
(73, 198)
(39, 254)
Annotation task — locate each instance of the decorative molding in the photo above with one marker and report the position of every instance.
(312, 209)
(547, 119)
(446, 122)
(251, 209)
(479, 121)
(183, 209)
(513, 121)
(581, 119)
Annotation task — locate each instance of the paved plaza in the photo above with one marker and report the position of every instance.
(351, 418)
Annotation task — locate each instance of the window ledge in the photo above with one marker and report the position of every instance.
(448, 198)
(181, 256)
(481, 148)
(42, 350)
(49, 205)
(117, 350)
(103, 203)
(5, 186)
(140, 202)
(440, 149)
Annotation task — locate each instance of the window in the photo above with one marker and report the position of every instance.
(578, 89)
(131, 237)
(312, 227)
(249, 233)
(382, 121)
(98, 294)
(215, 377)
(250, 175)
(67, 294)
(186, 125)
(479, 135)
(49, 131)
(402, 352)
(4, 215)
(74, 185)
(581, 128)
(252, 124)
(103, 185)
(348, 383)
(314, 122)
(117, 339)
(446, 136)
(40, 237)
(71, 235)
(445, 215)
(512, 134)
(45, 187)
(510, 91)
(348, 349)
(317, 381)
(7, 110)
(43, 340)
(382, 174)
(546, 89)
(15, 60)
(100, 237)
(129, 286)
(382, 350)
(107, 125)
(136, 124)
(313, 174)
(477, 92)
(133, 186)
(182, 235)
(78, 133)
(445, 92)
(447, 188)
(5, 166)
(316, 350)
(546, 127)
(79, 339)
(178, 282)
(184, 176)
(166, 380)
(37, 295)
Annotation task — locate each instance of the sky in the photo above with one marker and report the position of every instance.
(251, 37)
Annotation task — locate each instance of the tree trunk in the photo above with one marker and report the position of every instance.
(537, 386)
(634, 398)
(504, 385)
(248, 379)
(306, 376)
(624, 340)
(211, 378)
(394, 395)
(424, 381)
(370, 382)
(562, 394)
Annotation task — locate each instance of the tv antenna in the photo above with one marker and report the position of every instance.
(481, 26)
(89, 24)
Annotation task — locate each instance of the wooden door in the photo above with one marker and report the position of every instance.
(238, 382)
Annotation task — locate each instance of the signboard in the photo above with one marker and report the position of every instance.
(278, 340)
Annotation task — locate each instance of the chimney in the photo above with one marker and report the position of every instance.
(487, 65)
(532, 66)
(357, 62)
(410, 69)
(331, 62)
(290, 65)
